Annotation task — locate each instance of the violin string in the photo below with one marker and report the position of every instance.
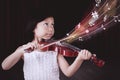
(70, 46)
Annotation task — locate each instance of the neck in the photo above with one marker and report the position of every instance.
(38, 40)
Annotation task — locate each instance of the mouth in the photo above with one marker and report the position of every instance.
(49, 35)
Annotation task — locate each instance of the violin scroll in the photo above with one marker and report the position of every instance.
(96, 61)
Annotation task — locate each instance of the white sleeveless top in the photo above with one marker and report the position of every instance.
(41, 66)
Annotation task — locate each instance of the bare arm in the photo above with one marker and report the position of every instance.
(12, 59)
(69, 70)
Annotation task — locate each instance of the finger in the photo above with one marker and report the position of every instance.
(29, 46)
(85, 52)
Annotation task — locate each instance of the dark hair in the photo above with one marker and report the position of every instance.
(29, 35)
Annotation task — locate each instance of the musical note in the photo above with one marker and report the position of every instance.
(116, 19)
(105, 18)
(97, 2)
(95, 16)
(80, 39)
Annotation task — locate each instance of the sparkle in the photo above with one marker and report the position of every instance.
(87, 31)
(104, 28)
(67, 34)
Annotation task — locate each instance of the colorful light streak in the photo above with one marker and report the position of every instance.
(98, 19)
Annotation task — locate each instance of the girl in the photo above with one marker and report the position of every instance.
(43, 65)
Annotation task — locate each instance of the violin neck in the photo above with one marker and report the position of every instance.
(70, 46)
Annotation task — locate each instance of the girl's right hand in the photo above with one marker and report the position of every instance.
(26, 48)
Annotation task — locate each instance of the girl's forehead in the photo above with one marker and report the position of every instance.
(49, 18)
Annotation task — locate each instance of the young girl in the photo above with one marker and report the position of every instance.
(43, 65)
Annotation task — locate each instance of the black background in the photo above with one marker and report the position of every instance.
(14, 15)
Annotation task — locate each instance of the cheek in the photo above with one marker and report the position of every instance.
(53, 31)
(40, 32)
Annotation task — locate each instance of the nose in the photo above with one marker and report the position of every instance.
(50, 28)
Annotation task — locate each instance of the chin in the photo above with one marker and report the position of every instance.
(46, 38)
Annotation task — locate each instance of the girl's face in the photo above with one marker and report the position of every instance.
(44, 29)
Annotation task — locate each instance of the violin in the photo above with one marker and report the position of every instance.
(67, 50)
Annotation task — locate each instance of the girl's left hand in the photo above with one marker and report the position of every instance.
(84, 55)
